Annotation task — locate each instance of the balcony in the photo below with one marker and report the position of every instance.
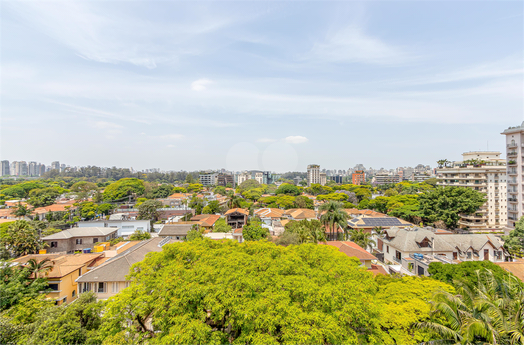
(512, 182)
(512, 163)
(512, 172)
(513, 154)
(512, 146)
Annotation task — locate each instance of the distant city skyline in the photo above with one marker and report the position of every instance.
(258, 85)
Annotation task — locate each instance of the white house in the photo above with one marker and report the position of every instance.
(126, 226)
(397, 244)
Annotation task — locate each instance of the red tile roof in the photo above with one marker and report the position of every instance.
(352, 249)
(239, 210)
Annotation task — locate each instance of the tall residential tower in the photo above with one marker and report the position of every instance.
(515, 171)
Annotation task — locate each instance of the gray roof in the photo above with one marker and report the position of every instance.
(117, 268)
(407, 240)
(175, 230)
(81, 232)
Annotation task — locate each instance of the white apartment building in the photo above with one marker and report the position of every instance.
(313, 175)
(515, 172)
(485, 172)
(208, 179)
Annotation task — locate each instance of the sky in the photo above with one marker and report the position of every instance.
(263, 85)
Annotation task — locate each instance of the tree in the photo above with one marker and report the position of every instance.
(41, 268)
(221, 226)
(465, 273)
(254, 232)
(149, 210)
(234, 201)
(49, 231)
(255, 292)
(17, 284)
(287, 239)
(447, 203)
(285, 201)
(195, 187)
(220, 190)
(362, 238)
(87, 210)
(194, 234)
(105, 208)
(22, 210)
(162, 191)
(514, 242)
(307, 231)
(21, 239)
(123, 188)
(197, 204)
(139, 236)
(45, 196)
(303, 202)
(288, 189)
(247, 185)
(333, 217)
(404, 304)
(489, 312)
(333, 197)
(83, 189)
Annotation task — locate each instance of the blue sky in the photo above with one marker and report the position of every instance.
(258, 85)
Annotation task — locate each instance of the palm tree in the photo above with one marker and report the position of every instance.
(491, 312)
(43, 266)
(361, 238)
(22, 210)
(334, 215)
(234, 201)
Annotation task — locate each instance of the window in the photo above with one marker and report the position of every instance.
(54, 244)
(469, 255)
(398, 255)
(387, 249)
(53, 287)
(101, 287)
(127, 284)
(95, 239)
(73, 294)
(87, 287)
(80, 271)
(115, 287)
(78, 241)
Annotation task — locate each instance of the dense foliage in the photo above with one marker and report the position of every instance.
(122, 188)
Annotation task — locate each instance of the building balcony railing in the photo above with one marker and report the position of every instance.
(512, 172)
(513, 200)
(397, 259)
(510, 146)
(512, 182)
(512, 163)
(513, 154)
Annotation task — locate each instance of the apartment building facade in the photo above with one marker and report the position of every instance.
(515, 172)
(5, 168)
(358, 177)
(483, 171)
(313, 174)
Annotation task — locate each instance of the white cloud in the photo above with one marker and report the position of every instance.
(351, 44)
(170, 145)
(104, 125)
(200, 84)
(296, 139)
(266, 140)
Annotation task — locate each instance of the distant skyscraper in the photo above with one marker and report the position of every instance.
(41, 169)
(55, 165)
(62, 167)
(15, 168)
(515, 172)
(33, 169)
(5, 168)
(24, 169)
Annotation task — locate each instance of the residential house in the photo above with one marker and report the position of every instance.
(237, 217)
(355, 212)
(206, 221)
(109, 278)
(352, 249)
(126, 225)
(370, 223)
(66, 269)
(300, 214)
(76, 239)
(398, 243)
(175, 231)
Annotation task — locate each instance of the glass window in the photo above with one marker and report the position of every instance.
(53, 287)
(78, 241)
(54, 244)
(101, 288)
(95, 240)
(73, 294)
(115, 287)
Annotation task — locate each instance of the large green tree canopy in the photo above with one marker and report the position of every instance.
(123, 188)
(259, 293)
(447, 203)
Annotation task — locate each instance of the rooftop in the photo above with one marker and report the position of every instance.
(81, 232)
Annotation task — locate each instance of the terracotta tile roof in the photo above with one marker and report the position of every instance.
(367, 213)
(516, 268)
(14, 203)
(63, 263)
(237, 231)
(239, 210)
(352, 249)
(6, 212)
(301, 213)
(269, 212)
(207, 220)
(179, 196)
(378, 269)
(54, 208)
(7, 220)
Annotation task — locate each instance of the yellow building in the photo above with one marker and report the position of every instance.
(66, 269)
